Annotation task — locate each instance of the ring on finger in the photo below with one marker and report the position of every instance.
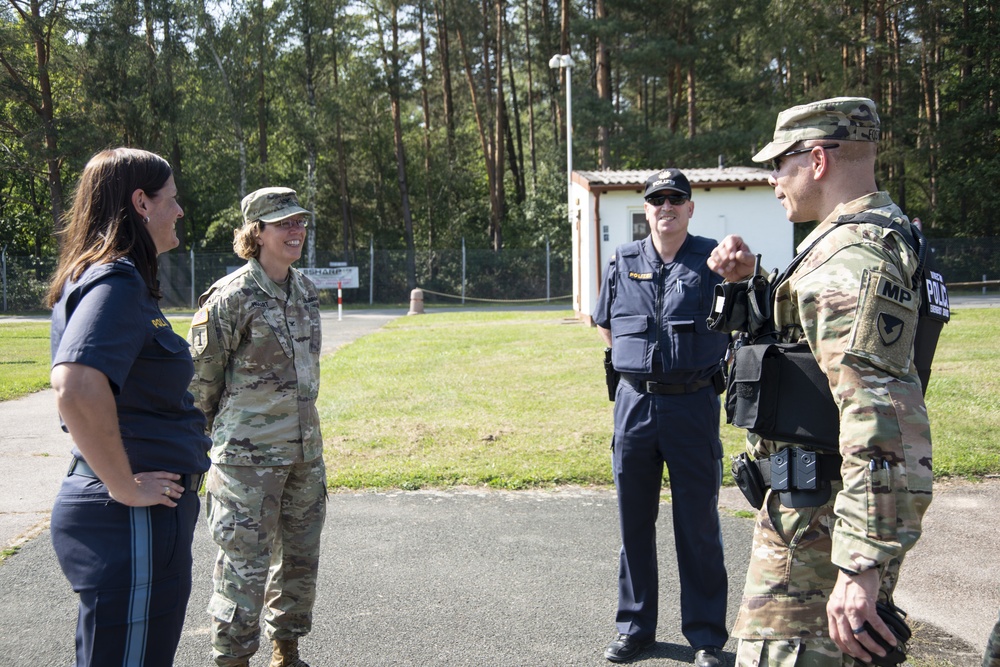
(166, 490)
(860, 630)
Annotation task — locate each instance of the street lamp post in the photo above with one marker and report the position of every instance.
(556, 62)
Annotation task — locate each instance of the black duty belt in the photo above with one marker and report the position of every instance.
(665, 389)
(190, 482)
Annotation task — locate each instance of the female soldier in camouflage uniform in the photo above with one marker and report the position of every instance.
(256, 343)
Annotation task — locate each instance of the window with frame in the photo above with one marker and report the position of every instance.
(640, 228)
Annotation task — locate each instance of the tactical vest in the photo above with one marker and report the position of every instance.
(658, 313)
(777, 390)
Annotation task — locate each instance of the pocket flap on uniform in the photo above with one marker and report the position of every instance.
(630, 324)
(748, 363)
(170, 341)
(681, 326)
(221, 608)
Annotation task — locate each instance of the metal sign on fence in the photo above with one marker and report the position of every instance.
(334, 277)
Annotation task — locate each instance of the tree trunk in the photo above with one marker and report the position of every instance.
(425, 103)
(40, 36)
(692, 107)
(487, 148)
(603, 89)
(171, 119)
(391, 62)
(153, 136)
(515, 150)
(498, 198)
(531, 94)
(347, 224)
(441, 15)
(262, 92)
(555, 113)
(311, 138)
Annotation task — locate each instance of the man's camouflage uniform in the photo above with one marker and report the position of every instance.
(256, 353)
(873, 516)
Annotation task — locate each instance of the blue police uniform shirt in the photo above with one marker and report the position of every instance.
(107, 320)
(657, 312)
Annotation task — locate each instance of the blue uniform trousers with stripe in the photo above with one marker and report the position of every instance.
(131, 567)
(683, 432)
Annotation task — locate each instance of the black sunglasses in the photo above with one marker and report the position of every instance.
(675, 200)
(776, 162)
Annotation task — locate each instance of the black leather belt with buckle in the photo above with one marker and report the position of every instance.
(190, 482)
(664, 389)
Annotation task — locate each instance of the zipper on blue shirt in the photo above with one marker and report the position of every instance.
(660, 276)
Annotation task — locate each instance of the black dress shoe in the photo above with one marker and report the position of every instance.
(709, 656)
(625, 647)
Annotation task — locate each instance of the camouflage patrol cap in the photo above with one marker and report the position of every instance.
(270, 205)
(843, 118)
(668, 179)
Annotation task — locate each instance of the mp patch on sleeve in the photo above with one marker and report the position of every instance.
(885, 323)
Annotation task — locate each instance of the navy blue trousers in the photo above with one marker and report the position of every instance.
(131, 567)
(683, 432)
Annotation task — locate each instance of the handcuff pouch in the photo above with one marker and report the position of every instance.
(748, 478)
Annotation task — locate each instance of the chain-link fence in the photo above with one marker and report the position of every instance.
(967, 260)
(446, 276)
(25, 281)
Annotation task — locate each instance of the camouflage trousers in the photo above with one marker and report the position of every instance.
(782, 619)
(991, 658)
(267, 522)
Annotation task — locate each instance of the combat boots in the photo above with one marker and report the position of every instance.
(286, 653)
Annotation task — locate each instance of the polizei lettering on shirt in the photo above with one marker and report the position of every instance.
(640, 276)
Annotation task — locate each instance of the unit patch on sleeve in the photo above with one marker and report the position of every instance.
(885, 323)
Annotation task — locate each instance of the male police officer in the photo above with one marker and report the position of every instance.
(653, 303)
(817, 568)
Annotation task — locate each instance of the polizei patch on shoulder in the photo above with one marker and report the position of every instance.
(885, 323)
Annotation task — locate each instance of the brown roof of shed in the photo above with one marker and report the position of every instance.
(634, 179)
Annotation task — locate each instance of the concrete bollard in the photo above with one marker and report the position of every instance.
(416, 302)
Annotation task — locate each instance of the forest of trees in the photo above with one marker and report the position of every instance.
(416, 124)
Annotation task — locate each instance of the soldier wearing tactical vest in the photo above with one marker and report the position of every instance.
(817, 569)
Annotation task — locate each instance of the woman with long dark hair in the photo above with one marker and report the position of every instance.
(125, 514)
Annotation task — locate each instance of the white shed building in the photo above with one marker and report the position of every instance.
(607, 210)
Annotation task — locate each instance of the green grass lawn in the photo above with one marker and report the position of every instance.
(517, 399)
(24, 358)
(512, 400)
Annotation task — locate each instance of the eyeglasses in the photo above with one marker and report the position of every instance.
(776, 162)
(675, 200)
(289, 223)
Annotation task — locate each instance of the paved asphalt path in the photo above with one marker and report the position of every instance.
(462, 577)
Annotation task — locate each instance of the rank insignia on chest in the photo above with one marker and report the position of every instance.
(640, 276)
